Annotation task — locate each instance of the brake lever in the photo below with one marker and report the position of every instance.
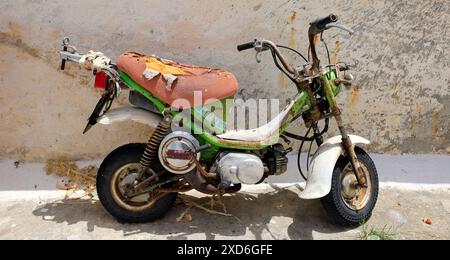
(258, 57)
(259, 47)
(342, 27)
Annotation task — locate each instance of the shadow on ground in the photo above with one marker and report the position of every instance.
(256, 217)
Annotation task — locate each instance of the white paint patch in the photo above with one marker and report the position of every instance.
(24, 195)
(73, 237)
(415, 186)
(7, 196)
(383, 185)
(18, 184)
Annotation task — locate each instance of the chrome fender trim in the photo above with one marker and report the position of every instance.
(322, 167)
(130, 114)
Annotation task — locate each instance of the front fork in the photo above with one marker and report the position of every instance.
(349, 148)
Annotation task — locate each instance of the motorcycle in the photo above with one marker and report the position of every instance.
(140, 182)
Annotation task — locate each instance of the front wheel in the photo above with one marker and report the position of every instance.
(348, 203)
(120, 171)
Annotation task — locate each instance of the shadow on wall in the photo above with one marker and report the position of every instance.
(253, 213)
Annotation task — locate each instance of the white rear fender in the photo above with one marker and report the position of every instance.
(130, 114)
(322, 166)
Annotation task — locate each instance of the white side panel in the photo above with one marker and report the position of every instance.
(130, 114)
(322, 166)
(265, 134)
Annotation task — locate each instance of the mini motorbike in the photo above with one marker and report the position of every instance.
(140, 182)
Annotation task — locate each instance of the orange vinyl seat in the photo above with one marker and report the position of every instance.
(170, 81)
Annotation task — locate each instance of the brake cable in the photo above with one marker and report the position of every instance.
(326, 47)
(305, 138)
(277, 64)
(299, 156)
(309, 139)
(293, 50)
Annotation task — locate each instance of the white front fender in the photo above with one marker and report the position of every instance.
(322, 166)
(130, 114)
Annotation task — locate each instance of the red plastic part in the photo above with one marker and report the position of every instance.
(101, 80)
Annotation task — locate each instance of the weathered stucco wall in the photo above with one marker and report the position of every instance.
(401, 101)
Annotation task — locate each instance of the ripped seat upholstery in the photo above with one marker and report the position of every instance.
(170, 81)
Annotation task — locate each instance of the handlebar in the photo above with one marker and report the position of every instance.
(320, 24)
(262, 45)
(342, 27)
(318, 27)
(81, 59)
(68, 56)
(246, 46)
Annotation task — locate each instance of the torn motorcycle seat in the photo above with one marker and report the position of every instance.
(170, 81)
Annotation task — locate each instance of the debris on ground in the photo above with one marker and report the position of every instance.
(397, 217)
(18, 163)
(186, 215)
(65, 184)
(374, 238)
(427, 221)
(386, 233)
(77, 182)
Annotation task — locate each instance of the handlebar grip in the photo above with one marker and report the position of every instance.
(246, 46)
(321, 23)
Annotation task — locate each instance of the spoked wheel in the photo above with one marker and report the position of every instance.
(349, 203)
(123, 180)
(118, 174)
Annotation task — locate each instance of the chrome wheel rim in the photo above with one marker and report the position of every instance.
(354, 196)
(122, 179)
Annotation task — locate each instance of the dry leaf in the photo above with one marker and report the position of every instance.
(427, 221)
(74, 178)
(181, 217)
(188, 217)
(191, 204)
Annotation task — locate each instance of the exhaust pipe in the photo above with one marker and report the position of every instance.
(199, 183)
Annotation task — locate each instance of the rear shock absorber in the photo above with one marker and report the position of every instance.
(151, 150)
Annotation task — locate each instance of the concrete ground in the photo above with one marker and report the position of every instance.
(413, 188)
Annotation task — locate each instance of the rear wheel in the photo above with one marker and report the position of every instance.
(348, 203)
(120, 171)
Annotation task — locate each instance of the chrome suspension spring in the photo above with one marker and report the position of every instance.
(151, 150)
